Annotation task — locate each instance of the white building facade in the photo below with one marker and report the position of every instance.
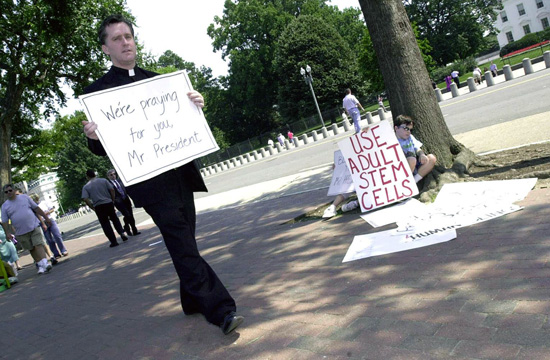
(44, 187)
(518, 18)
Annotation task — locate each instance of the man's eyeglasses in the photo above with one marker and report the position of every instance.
(8, 191)
(406, 128)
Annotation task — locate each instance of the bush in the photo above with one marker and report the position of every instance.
(527, 40)
(462, 66)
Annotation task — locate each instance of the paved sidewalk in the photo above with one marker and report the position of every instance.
(484, 295)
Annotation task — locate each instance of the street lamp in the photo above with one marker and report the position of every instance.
(309, 80)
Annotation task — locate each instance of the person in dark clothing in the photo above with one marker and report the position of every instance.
(168, 197)
(123, 204)
(99, 195)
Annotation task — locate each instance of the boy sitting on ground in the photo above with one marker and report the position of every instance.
(420, 163)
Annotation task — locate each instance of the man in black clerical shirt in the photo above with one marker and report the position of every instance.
(168, 197)
(123, 204)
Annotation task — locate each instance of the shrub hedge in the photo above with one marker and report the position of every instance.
(527, 40)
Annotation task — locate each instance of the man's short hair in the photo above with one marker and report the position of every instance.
(90, 173)
(403, 119)
(111, 171)
(109, 20)
(7, 186)
(348, 91)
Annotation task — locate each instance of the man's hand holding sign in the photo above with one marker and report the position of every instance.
(150, 126)
(378, 167)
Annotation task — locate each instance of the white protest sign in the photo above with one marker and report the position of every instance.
(378, 167)
(150, 126)
(387, 242)
(485, 192)
(395, 213)
(341, 182)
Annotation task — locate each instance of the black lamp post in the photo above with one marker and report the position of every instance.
(309, 80)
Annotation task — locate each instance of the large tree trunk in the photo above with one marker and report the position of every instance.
(5, 152)
(406, 78)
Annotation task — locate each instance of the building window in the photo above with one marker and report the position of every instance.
(521, 9)
(526, 29)
(545, 23)
(509, 36)
(503, 16)
(539, 4)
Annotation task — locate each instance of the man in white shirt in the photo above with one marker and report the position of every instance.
(52, 233)
(351, 103)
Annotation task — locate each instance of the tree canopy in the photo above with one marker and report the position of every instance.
(74, 158)
(453, 28)
(309, 40)
(44, 45)
(247, 34)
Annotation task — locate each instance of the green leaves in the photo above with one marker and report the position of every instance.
(309, 40)
(453, 28)
(44, 44)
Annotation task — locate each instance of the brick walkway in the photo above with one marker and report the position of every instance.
(484, 295)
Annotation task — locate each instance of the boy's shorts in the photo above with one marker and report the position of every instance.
(410, 154)
(31, 239)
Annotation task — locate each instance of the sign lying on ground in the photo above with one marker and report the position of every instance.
(341, 182)
(150, 126)
(387, 242)
(456, 206)
(378, 167)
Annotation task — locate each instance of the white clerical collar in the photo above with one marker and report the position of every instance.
(131, 72)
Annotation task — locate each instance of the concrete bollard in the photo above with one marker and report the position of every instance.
(295, 141)
(369, 118)
(247, 157)
(334, 129)
(224, 165)
(231, 163)
(271, 150)
(279, 147)
(381, 114)
(489, 78)
(454, 89)
(304, 138)
(314, 135)
(508, 74)
(527, 66)
(287, 144)
(325, 132)
(438, 95)
(241, 159)
(213, 169)
(471, 84)
(263, 153)
(346, 125)
(546, 57)
(203, 172)
(255, 155)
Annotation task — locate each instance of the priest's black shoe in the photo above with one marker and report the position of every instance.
(231, 322)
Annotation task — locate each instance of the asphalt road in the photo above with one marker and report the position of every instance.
(511, 100)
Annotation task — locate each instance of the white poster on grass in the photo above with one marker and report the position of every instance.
(378, 167)
(150, 126)
(341, 182)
